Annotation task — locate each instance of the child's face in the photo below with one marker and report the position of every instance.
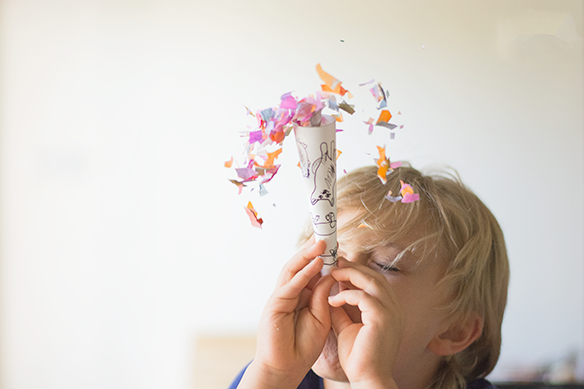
(414, 285)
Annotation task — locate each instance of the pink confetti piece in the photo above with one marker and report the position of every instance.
(410, 198)
(253, 216)
(246, 173)
(405, 188)
(288, 101)
(256, 136)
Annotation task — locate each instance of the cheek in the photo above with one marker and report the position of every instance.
(327, 365)
(423, 316)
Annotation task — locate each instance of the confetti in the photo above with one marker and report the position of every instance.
(264, 144)
(383, 164)
(407, 193)
(367, 82)
(384, 118)
(350, 109)
(240, 185)
(253, 216)
(263, 190)
(410, 198)
(379, 95)
(328, 80)
(391, 198)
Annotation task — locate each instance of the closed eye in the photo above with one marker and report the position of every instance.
(386, 267)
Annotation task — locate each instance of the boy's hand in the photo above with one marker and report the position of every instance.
(294, 324)
(367, 348)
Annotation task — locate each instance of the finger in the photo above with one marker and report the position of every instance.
(373, 284)
(313, 281)
(299, 261)
(366, 303)
(318, 305)
(345, 263)
(339, 320)
(300, 280)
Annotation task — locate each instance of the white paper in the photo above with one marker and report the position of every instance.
(318, 161)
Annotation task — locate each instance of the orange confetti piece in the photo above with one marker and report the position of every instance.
(277, 137)
(326, 88)
(383, 163)
(329, 80)
(405, 188)
(253, 216)
(382, 156)
(384, 116)
(272, 157)
(339, 118)
(382, 173)
(339, 90)
(339, 152)
(229, 163)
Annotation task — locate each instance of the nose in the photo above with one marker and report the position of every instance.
(355, 257)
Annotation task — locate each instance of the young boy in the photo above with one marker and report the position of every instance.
(422, 290)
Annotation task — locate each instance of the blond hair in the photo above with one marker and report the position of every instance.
(453, 224)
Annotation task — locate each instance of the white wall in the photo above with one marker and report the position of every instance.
(121, 239)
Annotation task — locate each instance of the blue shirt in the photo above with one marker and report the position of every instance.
(312, 381)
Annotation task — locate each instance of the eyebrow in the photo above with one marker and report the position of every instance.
(403, 253)
(391, 245)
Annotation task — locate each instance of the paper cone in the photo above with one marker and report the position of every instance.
(318, 161)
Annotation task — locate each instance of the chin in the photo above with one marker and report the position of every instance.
(327, 365)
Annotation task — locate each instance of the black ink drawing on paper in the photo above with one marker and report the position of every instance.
(333, 254)
(304, 162)
(330, 258)
(324, 172)
(326, 226)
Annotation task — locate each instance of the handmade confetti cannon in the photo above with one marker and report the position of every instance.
(317, 153)
(316, 142)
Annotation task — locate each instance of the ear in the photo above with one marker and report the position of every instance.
(458, 335)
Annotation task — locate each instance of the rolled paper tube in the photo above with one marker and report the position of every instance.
(318, 161)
